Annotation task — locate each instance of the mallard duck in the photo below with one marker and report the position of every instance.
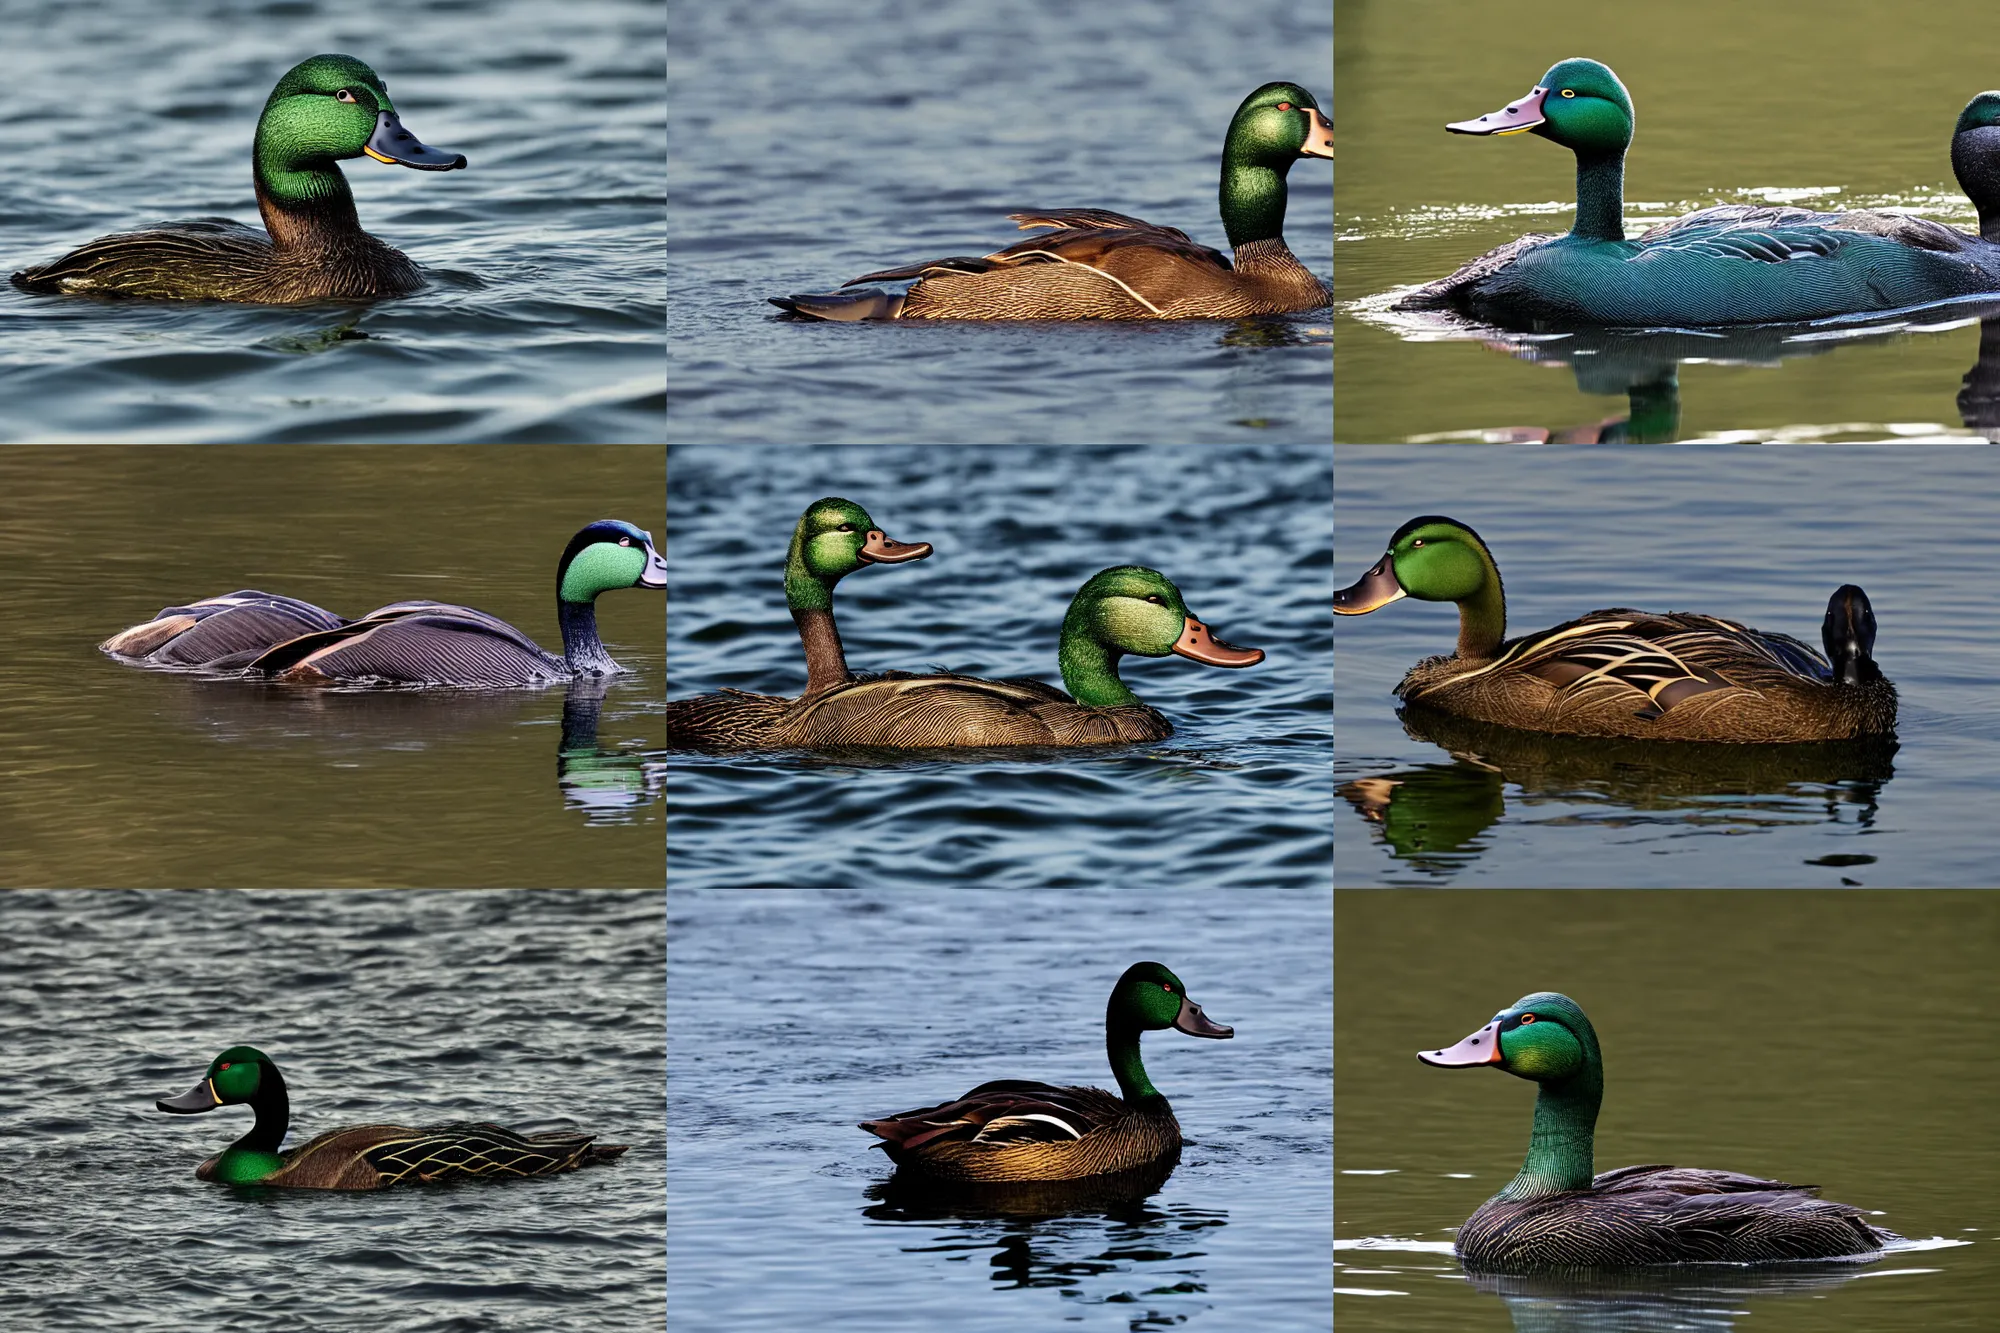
(404, 643)
(1678, 676)
(362, 1157)
(1012, 1129)
(1127, 609)
(1095, 264)
(1728, 265)
(327, 108)
(1555, 1214)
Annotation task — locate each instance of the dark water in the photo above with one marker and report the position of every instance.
(116, 776)
(815, 142)
(1719, 121)
(1237, 797)
(1741, 1031)
(794, 1015)
(540, 1010)
(542, 320)
(1759, 536)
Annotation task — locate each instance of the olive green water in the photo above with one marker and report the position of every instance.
(1837, 1038)
(112, 775)
(1837, 105)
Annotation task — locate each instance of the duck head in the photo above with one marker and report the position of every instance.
(1581, 105)
(835, 537)
(607, 554)
(1148, 998)
(240, 1076)
(1436, 559)
(333, 106)
(1131, 609)
(1848, 634)
(1272, 128)
(1975, 160)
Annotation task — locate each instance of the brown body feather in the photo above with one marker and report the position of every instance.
(991, 1134)
(368, 1157)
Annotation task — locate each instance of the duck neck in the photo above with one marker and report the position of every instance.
(583, 651)
(1600, 196)
(1482, 617)
(1090, 670)
(1252, 198)
(1975, 160)
(1559, 1150)
(1121, 1045)
(304, 201)
(256, 1155)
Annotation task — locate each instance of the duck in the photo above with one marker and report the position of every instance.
(1091, 263)
(1018, 1130)
(312, 248)
(1622, 673)
(1734, 264)
(1124, 609)
(264, 635)
(1556, 1214)
(363, 1157)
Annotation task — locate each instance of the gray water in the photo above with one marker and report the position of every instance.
(1237, 797)
(1758, 536)
(542, 320)
(794, 1015)
(817, 140)
(540, 1010)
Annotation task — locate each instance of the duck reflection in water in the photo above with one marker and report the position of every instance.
(1433, 816)
(1697, 1298)
(605, 784)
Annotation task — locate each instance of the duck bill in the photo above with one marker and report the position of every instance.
(1516, 118)
(1195, 1023)
(882, 549)
(1319, 135)
(1373, 590)
(398, 147)
(201, 1097)
(1481, 1048)
(1197, 644)
(654, 575)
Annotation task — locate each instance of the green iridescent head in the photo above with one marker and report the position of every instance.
(835, 537)
(1579, 104)
(605, 555)
(1430, 558)
(1272, 128)
(1980, 112)
(1131, 609)
(327, 108)
(240, 1076)
(1147, 998)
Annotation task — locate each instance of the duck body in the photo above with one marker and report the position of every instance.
(1013, 1130)
(218, 633)
(363, 1157)
(1678, 676)
(1720, 266)
(1091, 263)
(1555, 1214)
(312, 247)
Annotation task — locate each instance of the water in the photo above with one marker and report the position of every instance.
(542, 321)
(1236, 797)
(797, 1014)
(540, 1010)
(1719, 121)
(120, 776)
(1720, 1050)
(1759, 536)
(819, 140)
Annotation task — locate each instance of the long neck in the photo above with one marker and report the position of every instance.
(1600, 196)
(1121, 1044)
(1482, 617)
(274, 1115)
(582, 649)
(826, 662)
(1090, 671)
(1559, 1151)
(1252, 199)
(1975, 160)
(305, 202)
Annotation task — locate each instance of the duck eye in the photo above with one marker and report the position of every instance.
(220, 1068)
(1569, 92)
(1156, 599)
(1527, 1019)
(1165, 987)
(1284, 106)
(1415, 544)
(624, 541)
(846, 527)
(344, 95)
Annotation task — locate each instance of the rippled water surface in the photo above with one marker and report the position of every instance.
(1741, 1031)
(1758, 536)
(818, 140)
(1236, 797)
(542, 320)
(536, 1010)
(122, 776)
(1719, 121)
(796, 1015)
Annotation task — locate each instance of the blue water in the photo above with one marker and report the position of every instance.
(540, 1010)
(817, 141)
(794, 1015)
(1237, 797)
(542, 320)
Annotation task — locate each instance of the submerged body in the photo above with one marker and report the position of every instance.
(312, 247)
(1091, 263)
(1720, 266)
(1556, 1214)
(1624, 673)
